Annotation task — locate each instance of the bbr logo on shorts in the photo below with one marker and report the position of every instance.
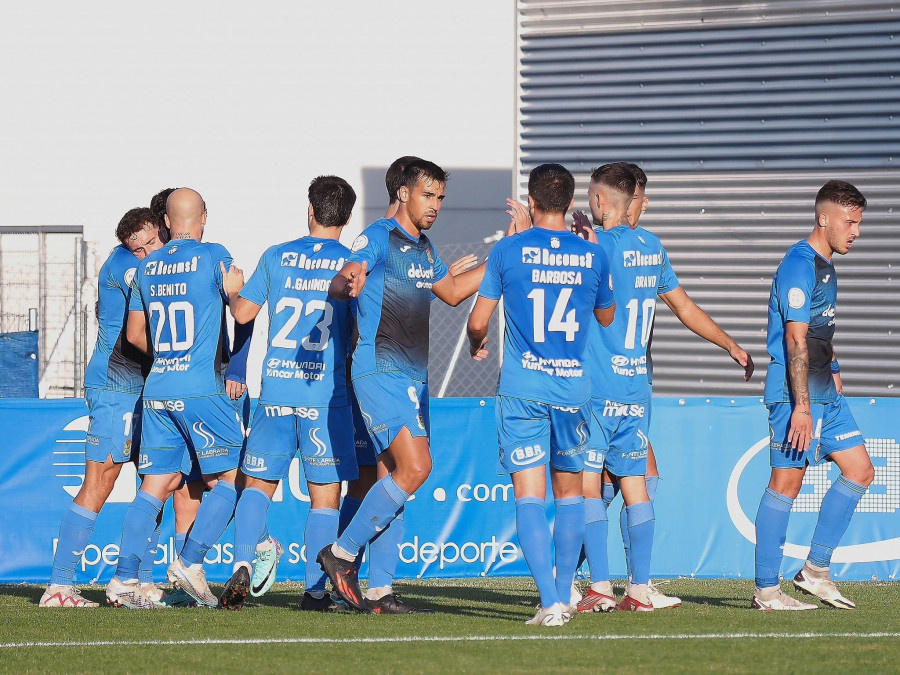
(527, 455)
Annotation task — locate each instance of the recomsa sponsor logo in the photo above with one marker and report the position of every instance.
(883, 496)
(543, 256)
(157, 267)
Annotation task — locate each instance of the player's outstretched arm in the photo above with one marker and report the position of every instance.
(477, 327)
(243, 310)
(232, 281)
(349, 282)
(454, 289)
(692, 316)
(464, 264)
(836, 374)
(798, 370)
(136, 331)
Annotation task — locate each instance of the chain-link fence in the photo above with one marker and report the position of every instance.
(42, 274)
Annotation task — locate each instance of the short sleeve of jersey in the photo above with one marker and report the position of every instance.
(370, 247)
(135, 302)
(667, 279)
(440, 269)
(256, 290)
(796, 280)
(220, 254)
(491, 285)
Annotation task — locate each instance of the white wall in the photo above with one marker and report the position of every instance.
(105, 103)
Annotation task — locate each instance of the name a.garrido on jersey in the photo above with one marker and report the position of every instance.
(302, 284)
(532, 255)
(304, 262)
(157, 267)
(638, 259)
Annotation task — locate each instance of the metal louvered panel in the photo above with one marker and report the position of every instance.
(737, 126)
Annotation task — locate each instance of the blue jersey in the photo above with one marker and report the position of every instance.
(804, 289)
(395, 304)
(116, 364)
(551, 282)
(306, 361)
(179, 289)
(618, 354)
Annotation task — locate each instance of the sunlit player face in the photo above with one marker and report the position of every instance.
(638, 206)
(423, 202)
(841, 225)
(143, 242)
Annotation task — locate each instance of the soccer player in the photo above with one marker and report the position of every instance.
(554, 286)
(179, 299)
(384, 549)
(393, 271)
(621, 388)
(809, 420)
(113, 383)
(306, 363)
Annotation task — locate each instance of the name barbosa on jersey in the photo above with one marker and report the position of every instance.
(567, 277)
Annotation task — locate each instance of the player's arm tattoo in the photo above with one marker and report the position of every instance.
(798, 365)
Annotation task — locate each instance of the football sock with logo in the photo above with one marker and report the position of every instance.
(837, 508)
(213, 517)
(378, 509)
(535, 541)
(249, 523)
(321, 530)
(349, 507)
(75, 532)
(568, 534)
(596, 532)
(384, 552)
(652, 482)
(771, 532)
(148, 560)
(137, 529)
(641, 524)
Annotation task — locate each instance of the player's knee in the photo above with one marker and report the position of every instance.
(862, 475)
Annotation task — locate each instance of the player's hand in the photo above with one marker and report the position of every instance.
(801, 432)
(838, 383)
(479, 353)
(232, 280)
(744, 360)
(464, 264)
(356, 281)
(520, 219)
(581, 226)
(235, 389)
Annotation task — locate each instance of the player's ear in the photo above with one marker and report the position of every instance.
(310, 214)
(644, 204)
(571, 203)
(531, 204)
(403, 194)
(823, 220)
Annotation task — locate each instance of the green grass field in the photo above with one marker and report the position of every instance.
(478, 628)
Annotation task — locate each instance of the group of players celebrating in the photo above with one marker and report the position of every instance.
(579, 298)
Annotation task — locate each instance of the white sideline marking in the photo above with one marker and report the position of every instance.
(461, 638)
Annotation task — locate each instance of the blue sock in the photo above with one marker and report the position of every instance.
(213, 517)
(148, 560)
(568, 535)
(137, 529)
(264, 535)
(321, 530)
(534, 538)
(771, 532)
(179, 544)
(837, 508)
(641, 523)
(652, 482)
(75, 532)
(596, 531)
(384, 553)
(349, 507)
(249, 521)
(378, 509)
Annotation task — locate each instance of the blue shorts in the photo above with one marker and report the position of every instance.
(390, 401)
(324, 437)
(114, 426)
(177, 432)
(242, 407)
(618, 438)
(531, 434)
(833, 427)
(365, 449)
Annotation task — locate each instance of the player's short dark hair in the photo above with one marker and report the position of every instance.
(134, 221)
(422, 168)
(393, 177)
(332, 200)
(842, 193)
(617, 176)
(158, 207)
(639, 176)
(552, 187)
